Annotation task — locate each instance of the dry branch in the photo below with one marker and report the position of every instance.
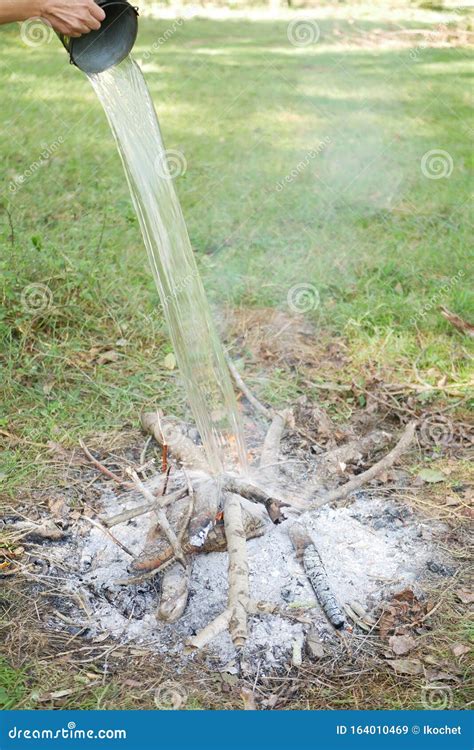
(330, 463)
(253, 400)
(174, 592)
(385, 463)
(234, 616)
(104, 529)
(103, 469)
(175, 581)
(45, 530)
(167, 434)
(257, 494)
(272, 608)
(161, 518)
(314, 569)
(157, 553)
(238, 569)
(271, 444)
(207, 634)
(459, 323)
(206, 505)
(140, 510)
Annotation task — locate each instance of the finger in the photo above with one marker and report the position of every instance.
(93, 23)
(96, 11)
(79, 29)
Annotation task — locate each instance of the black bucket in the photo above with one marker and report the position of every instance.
(99, 50)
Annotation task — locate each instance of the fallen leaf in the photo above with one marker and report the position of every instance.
(170, 361)
(435, 675)
(404, 609)
(271, 701)
(48, 387)
(406, 666)
(106, 357)
(314, 646)
(459, 649)
(432, 476)
(406, 595)
(44, 697)
(56, 506)
(133, 683)
(229, 679)
(452, 500)
(401, 644)
(465, 596)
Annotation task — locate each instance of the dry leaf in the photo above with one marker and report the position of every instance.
(406, 666)
(170, 361)
(465, 596)
(402, 610)
(401, 644)
(314, 646)
(435, 675)
(271, 701)
(432, 476)
(56, 506)
(133, 683)
(459, 649)
(109, 356)
(407, 595)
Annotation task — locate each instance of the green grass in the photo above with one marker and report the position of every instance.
(359, 222)
(12, 685)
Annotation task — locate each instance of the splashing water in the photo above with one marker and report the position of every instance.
(124, 95)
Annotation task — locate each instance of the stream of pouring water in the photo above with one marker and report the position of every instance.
(124, 95)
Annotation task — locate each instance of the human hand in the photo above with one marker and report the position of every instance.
(72, 17)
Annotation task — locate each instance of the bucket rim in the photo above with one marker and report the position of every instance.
(74, 41)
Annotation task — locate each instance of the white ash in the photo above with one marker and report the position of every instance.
(370, 549)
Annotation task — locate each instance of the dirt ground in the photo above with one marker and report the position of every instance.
(89, 643)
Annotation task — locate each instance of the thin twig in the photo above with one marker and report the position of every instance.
(160, 517)
(145, 448)
(105, 530)
(385, 463)
(158, 502)
(253, 400)
(103, 469)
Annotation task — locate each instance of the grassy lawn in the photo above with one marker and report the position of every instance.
(305, 164)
